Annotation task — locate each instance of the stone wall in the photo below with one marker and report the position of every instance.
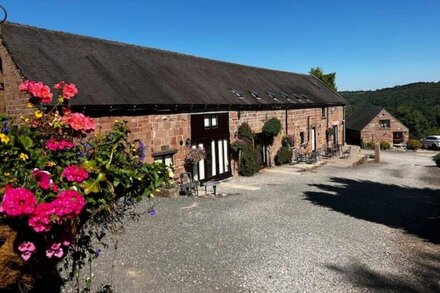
(297, 122)
(157, 132)
(373, 132)
(11, 100)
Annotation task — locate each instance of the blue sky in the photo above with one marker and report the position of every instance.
(369, 44)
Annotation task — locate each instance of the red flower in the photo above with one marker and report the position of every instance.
(69, 203)
(75, 173)
(79, 122)
(26, 86)
(69, 91)
(60, 85)
(42, 178)
(41, 218)
(41, 91)
(59, 145)
(18, 202)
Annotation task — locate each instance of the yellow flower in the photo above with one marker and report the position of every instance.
(25, 119)
(51, 164)
(29, 106)
(23, 157)
(4, 138)
(7, 174)
(38, 114)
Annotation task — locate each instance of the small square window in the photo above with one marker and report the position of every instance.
(385, 123)
(301, 135)
(214, 121)
(207, 121)
(165, 159)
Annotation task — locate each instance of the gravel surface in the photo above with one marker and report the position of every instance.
(372, 228)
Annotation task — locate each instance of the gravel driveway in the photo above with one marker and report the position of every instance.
(372, 228)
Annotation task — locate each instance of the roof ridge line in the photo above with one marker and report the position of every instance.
(149, 48)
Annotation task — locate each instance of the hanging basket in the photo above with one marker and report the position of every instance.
(11, 263)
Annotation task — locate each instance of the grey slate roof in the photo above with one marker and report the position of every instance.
(112, 73)
(361, 117)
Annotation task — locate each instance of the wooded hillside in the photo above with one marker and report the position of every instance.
(417, 105)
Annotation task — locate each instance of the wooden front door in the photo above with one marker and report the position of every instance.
(397, 137)
(261, 147)
(211, 132)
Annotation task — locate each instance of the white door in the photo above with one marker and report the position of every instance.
(313, 138)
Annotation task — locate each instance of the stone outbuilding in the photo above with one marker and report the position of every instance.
(172, 101)
(375, 124)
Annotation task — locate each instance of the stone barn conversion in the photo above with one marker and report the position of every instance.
(375, 124)
(171, 101)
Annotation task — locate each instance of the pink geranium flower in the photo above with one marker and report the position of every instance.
(69, 91)
(42, 178)
(18, 202)
(26, 86)
(41, 219)
(27, 249)
(79, 122)
(75, 173)
(59, 145)
(69, 203)
(55, 250)
(41, 91)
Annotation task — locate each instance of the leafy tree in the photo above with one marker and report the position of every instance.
(329, 79)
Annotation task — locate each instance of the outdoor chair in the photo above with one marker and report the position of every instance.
(188, 185)
(346, 153)
(313, 158)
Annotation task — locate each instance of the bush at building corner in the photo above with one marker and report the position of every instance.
(436, 159)
(368, 145)
(248, 164)
(385, 145)
(413, 144)
(283, 156)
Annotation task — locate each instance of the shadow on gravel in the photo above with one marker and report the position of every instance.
(424, 277)
(417, 211)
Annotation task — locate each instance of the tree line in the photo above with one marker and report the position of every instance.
(417, 105)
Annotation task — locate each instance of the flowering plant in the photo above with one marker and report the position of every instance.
(195, 155)
(61, 189)
(288, 140)
(238, 144)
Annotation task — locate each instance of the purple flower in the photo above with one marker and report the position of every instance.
(152, 212)
(141, 150)
(97, 252)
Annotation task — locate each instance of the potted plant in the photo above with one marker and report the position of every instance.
(62, 190)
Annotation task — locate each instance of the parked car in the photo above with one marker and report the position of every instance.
(432, 141)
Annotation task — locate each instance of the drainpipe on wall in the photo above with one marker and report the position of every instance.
(343, 125)
(287, 129)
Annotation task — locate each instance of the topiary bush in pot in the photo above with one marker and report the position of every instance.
(283, 156)
(272, 127)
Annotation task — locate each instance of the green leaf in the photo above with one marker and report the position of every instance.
(26, 141)
(91, 186)
(89, 165)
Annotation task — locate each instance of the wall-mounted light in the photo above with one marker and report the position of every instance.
(188, 142)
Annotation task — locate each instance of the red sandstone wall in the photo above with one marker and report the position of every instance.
(296, 123)
(373, 132)
(11, 100)
(157, 132)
